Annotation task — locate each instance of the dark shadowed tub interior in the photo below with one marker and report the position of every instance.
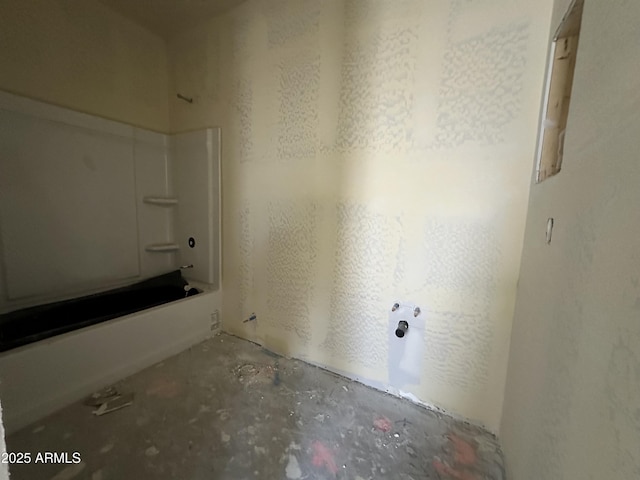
(29, 325)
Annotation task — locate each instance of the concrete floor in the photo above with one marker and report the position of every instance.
(228, 409)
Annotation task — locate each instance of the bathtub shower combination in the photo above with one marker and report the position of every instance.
(99, 220)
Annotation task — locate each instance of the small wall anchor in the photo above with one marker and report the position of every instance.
(251, 318)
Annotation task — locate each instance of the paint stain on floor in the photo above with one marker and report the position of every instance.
(383, 424)
(228, 409)
(164, 388)
(323, 457)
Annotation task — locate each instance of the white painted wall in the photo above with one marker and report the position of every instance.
(373, 152)
(196, 174)
(573, 390)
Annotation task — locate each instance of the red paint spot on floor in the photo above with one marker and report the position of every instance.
(465, 456)
(448, 472)
(383, 424)
(323, 457)
(164, 388)
(465, 453)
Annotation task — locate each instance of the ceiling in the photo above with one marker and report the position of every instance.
(166, 17)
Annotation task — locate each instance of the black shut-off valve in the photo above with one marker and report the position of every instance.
(403, 325)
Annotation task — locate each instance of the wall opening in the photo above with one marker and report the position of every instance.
(562, 59)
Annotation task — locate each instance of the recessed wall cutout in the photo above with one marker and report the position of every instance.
(558, 92)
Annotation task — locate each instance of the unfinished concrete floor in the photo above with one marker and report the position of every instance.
(228, 409)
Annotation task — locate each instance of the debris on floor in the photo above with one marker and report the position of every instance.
(108, 400)
(152, 451)
(250, 374)
(246, 370)
(101, 396)
(216, 412)
(293, 468)
(276, 375)
(114, 404)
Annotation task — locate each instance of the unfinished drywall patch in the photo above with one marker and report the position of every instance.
(246, 249)
(373, 13)
(292, 253)
(362, 269)
(460, 255)
(377, 79)
(334, 104)
(288, 22)
(458, 349)
(298, 112)
(456, 259)
(242, 113)
(481, 86)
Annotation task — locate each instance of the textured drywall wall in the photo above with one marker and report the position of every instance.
(373, 152)
(82, 55)
(572, 404)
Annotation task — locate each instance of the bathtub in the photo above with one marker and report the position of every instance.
(38, 378)
(43, 321)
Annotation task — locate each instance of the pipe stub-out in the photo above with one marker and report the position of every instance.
(402, 328)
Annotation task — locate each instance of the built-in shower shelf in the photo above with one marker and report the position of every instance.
(162, 247)
(164, 201)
